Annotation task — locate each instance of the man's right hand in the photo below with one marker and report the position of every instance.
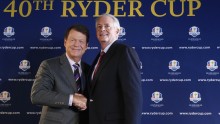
(79, 101)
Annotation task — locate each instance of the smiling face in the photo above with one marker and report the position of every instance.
(106, 31)
(75, 45)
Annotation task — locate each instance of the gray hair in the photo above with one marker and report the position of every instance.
(116, 21)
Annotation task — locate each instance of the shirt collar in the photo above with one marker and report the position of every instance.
(71, 61)
(107, 48)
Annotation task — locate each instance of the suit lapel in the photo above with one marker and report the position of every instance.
(67, 71)
(83, 81)
(104, 62)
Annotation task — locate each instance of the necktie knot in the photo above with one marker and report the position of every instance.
(76, 66)
(102, 53)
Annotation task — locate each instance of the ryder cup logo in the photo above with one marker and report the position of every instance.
(121, 32)
(212, 65)
(9, 31)
(156, 97)
(5, 96)
(174, 65)
(46, 32)
(195, 97)
(157, 31)
(24, 65)
(194, 31)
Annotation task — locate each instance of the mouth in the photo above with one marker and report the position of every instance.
(75, 49)
(103, 35)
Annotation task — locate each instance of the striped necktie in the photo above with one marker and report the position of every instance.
(77, 76)
(99, 62)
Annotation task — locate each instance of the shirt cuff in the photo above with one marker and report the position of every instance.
(71, 100)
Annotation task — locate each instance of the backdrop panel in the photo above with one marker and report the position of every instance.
(177, 41)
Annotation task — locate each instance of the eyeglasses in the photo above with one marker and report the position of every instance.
(106, 27)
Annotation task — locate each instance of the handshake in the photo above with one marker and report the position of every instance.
(79, 101)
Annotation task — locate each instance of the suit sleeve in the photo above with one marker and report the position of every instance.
(42, 90)
(130, 78)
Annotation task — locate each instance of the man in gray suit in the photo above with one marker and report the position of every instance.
(60, 84)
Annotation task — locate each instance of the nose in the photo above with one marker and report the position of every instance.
(76, 43)
(103, 28)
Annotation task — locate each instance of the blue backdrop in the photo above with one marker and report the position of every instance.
(177, 42)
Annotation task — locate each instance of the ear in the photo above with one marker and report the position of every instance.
(64, 42)
(118, 30)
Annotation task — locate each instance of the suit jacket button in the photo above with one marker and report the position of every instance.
(91, 100)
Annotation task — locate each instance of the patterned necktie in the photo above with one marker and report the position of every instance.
(77, 76)
(99, 62)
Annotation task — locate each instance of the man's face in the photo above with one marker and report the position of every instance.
(75, 45)
(106, 32)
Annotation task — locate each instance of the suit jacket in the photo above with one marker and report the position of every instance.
(115, 92)
(53, 84)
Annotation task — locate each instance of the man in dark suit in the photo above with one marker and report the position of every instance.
(60, 84)
(115, 88)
